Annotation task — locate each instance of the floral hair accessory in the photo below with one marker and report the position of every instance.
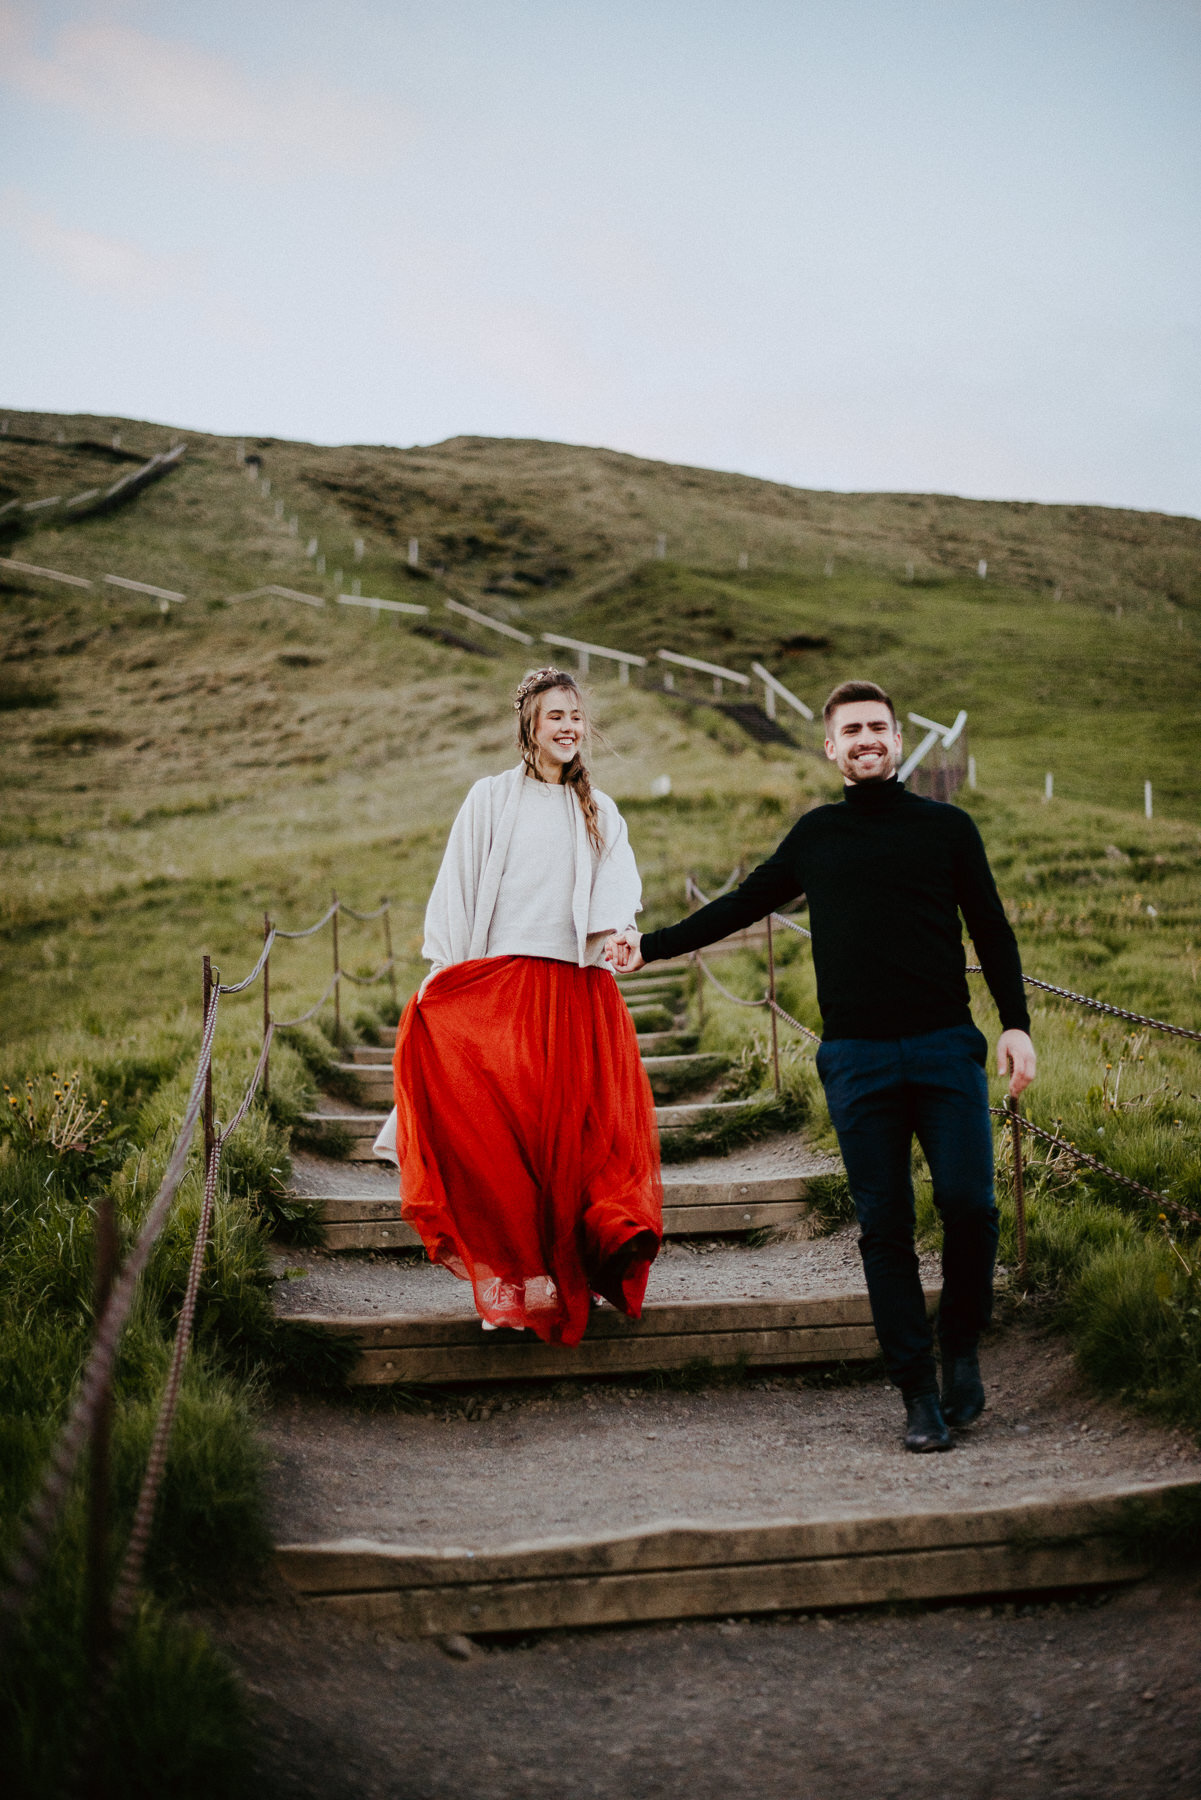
(537, 678)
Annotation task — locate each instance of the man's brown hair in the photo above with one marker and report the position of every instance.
(848, 691)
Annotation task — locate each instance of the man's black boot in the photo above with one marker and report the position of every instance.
(962, 1389)
(925, 1427)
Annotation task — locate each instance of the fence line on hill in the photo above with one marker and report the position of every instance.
(1011, 1110)
(88, 1421)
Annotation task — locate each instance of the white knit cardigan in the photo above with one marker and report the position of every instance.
(461, 908)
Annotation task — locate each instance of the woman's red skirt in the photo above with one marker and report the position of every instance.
(526, 1136)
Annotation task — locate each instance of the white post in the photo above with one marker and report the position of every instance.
(116, 437)
(661, 545)
(909, 571)
(1147, 799)
(744, 561)
(982, 567)
(623, 673)
(358, 549)
(669, 682)
(717, 687)
(311, 547)
(1049, 786)
(769, 701)
(414, 552)
(971, 773)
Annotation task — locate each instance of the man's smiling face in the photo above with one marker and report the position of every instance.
(864, 741)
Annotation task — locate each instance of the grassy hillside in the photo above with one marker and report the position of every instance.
(169, 777)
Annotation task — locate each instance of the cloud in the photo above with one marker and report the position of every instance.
(90, 260)
(168, 90)
(129, 272)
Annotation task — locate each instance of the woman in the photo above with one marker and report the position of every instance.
(524, 1123)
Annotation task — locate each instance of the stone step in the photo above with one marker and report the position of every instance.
(362, 1128)
(657, 1018)
(650, 1043)
(690, 1209)
(690, 1569)
(667, 1043)
(675, 1074)
(432, 1349)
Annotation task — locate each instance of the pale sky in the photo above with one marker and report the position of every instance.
(901, 244)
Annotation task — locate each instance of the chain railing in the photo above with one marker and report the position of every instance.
(1011, 1110)
(89, 1416)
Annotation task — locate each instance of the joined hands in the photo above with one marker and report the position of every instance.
(622, 951)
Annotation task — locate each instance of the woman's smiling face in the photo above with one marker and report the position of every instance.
(559, 731)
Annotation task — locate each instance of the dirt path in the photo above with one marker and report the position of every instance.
(1073, 1701)
(585, 1459)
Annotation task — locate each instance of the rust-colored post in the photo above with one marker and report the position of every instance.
(99, 1605)
(771, 997)
(337, 981)
(266, 1007)
(1019, 1181)
(210, 1136)
(700, 990)
(391, 961)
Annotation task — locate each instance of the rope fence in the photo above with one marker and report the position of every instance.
(88, 1421)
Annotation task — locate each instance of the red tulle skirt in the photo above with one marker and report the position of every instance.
(526, 1136)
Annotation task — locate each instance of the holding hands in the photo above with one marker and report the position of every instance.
(622, 951)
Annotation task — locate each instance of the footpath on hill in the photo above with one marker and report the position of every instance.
(596, 1501)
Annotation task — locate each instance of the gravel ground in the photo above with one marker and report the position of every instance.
(774, 1156)
(1060, 1701)
(337, 1284)
(533, 1464)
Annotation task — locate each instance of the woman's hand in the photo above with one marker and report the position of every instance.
(622, 951)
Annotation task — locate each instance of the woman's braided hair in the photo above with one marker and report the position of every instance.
(527, 705)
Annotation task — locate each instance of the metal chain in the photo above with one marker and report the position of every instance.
(1103, 1006)
(1094, 1162)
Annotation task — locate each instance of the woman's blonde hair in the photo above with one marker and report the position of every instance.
(527, 704)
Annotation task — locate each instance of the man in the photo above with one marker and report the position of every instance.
(887, 875)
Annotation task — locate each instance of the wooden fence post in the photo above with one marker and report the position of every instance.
(266, 1008)
(99, 1600)
(1019, 1181)
(210, 1137)
(771, 995)
(391, 961)
(337, 979)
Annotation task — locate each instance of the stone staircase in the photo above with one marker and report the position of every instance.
(690, 1529)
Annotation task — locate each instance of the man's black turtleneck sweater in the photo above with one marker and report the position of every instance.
(887, 875)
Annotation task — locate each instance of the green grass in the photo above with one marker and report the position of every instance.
(168, 780)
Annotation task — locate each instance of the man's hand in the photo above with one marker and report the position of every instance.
(622, 951)
(1016, 1058)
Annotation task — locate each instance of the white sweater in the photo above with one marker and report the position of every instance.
(521, 877)
(521, 873)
